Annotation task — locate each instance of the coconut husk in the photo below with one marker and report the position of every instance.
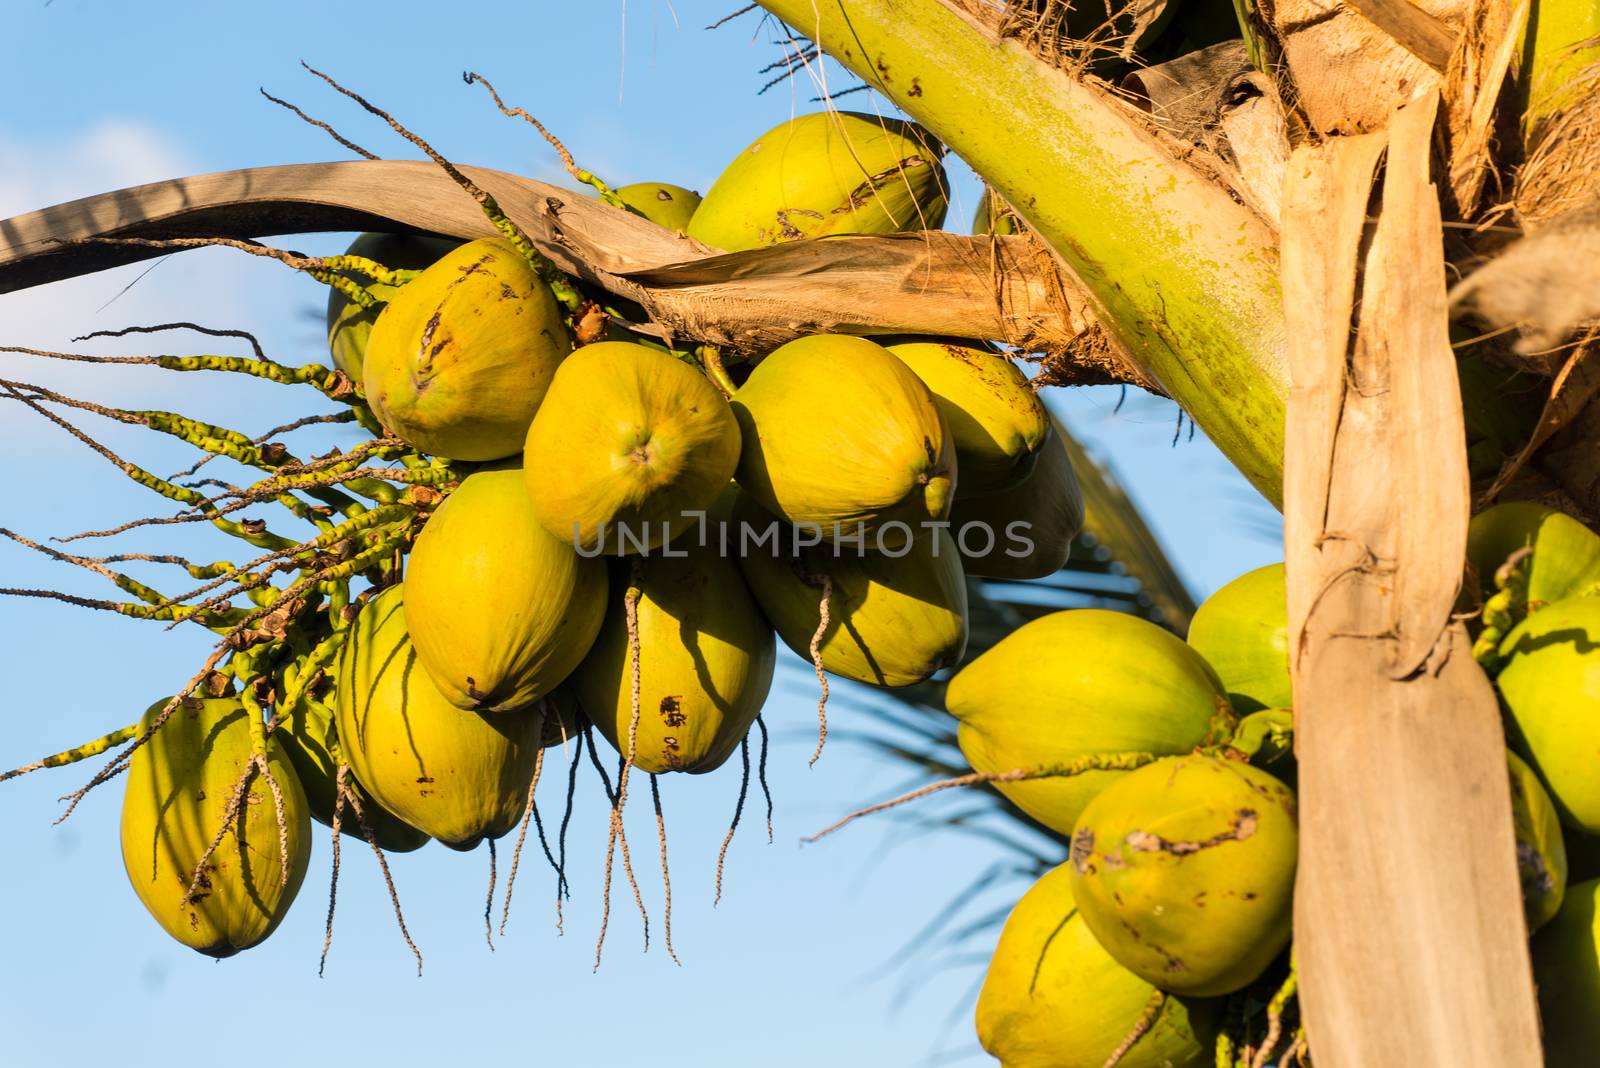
(1561, 169)
(1214, 99)
(1479, 64)
(1350, 66)
(1397, 729)
(1546, 286)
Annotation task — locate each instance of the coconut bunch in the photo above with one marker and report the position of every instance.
(1164, 938)
(561, 526)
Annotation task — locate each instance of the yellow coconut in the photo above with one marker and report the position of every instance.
(180, 786)
(1024, 532)
(460, 359)
(307, 736)
(349, 324)
(1054, 998)
(835, 172)
(997, 423)
(458, 776)
(629, 447)
(705, 662)
(1080, 684)
(838, 434)
(499, 609)
(670, 206)
(894, 618)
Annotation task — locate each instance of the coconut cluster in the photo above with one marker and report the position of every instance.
(623, 531)
(1168, 768)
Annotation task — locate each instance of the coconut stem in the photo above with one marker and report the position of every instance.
(1505, 609)
(666, 873)
(1275, 1009)
(562, 889)
(1092, 762)
(761, 774)
(76, 753)
(528, 812)
(488, 901)
(564, 291)
(607, 194)
(738, 810)
(333, 880)
(823, 609)
(1141, 1026)
(388, 878)
(711, 360)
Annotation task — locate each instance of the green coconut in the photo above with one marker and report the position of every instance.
(631, 447)
(894, 618)
(499, 609)
(460, 359)
(841, 435)
(668, 206)
(1566, 970)
(1541, 852)
(1566, 554)
(1053, 998)
(458, 776)
(1024, 532)
(1076, 684)
(349, 324)
(997, 424)
(705, 662)
(180, 786)
(1243, 632)
(1184, 871)
(306, 737)
(834, 172)
(1550, 690)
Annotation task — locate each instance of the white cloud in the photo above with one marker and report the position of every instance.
(214, 287)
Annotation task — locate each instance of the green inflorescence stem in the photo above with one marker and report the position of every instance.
(77, 753)
(1180, 273)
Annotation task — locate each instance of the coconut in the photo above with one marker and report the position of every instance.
(459, 776)
(835, 172)
(705, 663)
(1566, 554)
(669, 206)
(1550, 689)
(1024, 532)
(838, 434)
(894, 618)
(306, 737)
(997, 424)
(349, 324)
(632, 446)
(1541, 852)
(460, 359)
(1243, 632)
(1184, 871)
(181, 784)
(499, 609)
(1053, 998)
(1076, 684)
(1566, 970)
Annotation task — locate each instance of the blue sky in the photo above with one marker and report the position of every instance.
(106, 94)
